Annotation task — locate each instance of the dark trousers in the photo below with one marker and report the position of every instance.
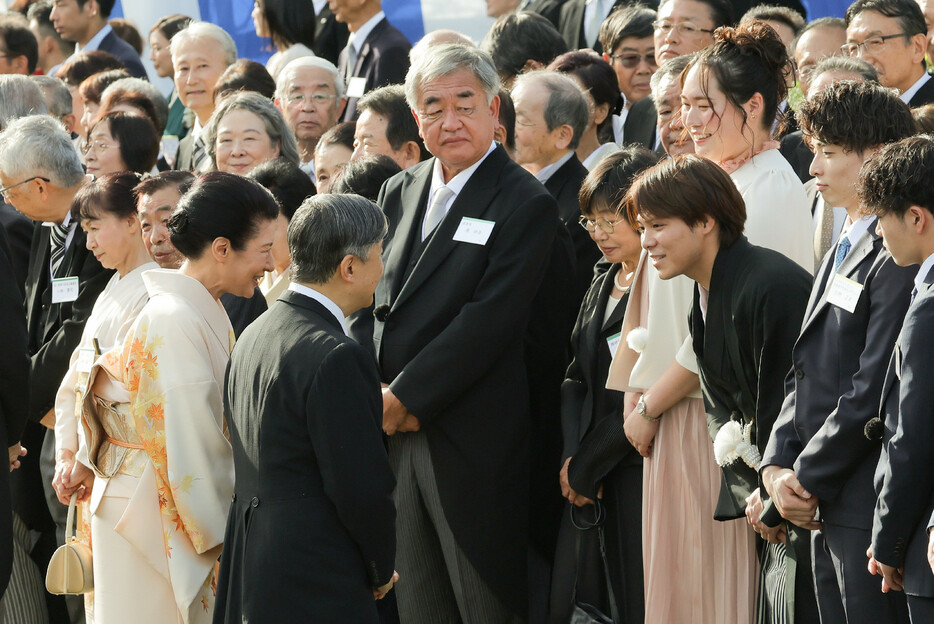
(921, 609)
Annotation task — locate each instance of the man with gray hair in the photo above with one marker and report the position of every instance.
(200, 54)
(40, 172)
(473, 233)
(57, 100)
(310, 94)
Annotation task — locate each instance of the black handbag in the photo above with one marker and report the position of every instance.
(584, 613)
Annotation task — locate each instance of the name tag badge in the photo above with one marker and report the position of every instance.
(64, 289)
(613, 343)
(475, 231)
(844, 293)
(356, 87)
(85, 360)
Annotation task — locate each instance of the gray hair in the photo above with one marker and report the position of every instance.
(448, 58)
(56, 94)
(566, 103)
(284, 80)
(276, 127)
(39, 146)
(327, 228)
(436, 38)
(145, 88)
(19, 96)
(205, 30)
(846, 65)
(670, 68)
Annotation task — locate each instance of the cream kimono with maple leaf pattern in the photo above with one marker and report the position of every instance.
(168, 378)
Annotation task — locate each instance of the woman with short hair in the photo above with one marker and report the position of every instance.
(121, 142)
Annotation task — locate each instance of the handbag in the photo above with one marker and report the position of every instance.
(584, 613)
(70, 570)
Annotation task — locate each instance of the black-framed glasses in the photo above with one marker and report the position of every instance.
(684, 28)
(872, 45)
(632, 60)
(592, 225)
(3, 191)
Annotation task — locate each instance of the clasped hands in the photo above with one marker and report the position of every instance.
(380, 592)
(396, 417)
(71, 476)
(15, 452)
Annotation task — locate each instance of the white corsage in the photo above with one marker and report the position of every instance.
(637, 339)
(733, 442)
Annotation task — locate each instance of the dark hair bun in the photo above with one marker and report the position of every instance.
(756, 38)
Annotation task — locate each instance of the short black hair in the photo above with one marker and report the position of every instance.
(112, 193)
(289, 22)
(106, 6)
(598, 79)
(605, 187)
(138, 139)
(181, 180)
(389, 102)
(41, 11)
(81, 66)
(340, 134)
(623, 22)
(19, 41)
(288, 184)
(856, 116)
(220, 204)
(721, 11)
(821, 22)
(908, 12)
(365, 177)
(245, 75)
(775, 13)
(898, 177)
(507, 118)
(516, 38)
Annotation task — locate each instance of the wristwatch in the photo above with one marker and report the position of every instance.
(640, 407)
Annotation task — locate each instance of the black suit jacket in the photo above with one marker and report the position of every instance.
(18, 230)
(925, 95)
(383, 60)
(797, 153)
(756, 303)
(839, 364)
(549, 9)
(14, 391)
(641, 123)
(243, 310)
(449, 334)
(313, 486)
(571, 25)
(904, 479)
(125, 52)
(330, 36)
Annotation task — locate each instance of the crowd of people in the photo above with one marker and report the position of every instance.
(614, 316)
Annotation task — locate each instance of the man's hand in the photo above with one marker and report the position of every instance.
(409, 423)
(380, 592)
(931, 549)
(793, 502)
(754, 507)
(566, 491)
(16, 452)
(892, 578)
(640, 432)
(394, 412)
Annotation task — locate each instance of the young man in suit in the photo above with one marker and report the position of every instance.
(818, 457)
(41, 172)
(895, 186)
(376, 54)
(462, 268)
(892, 36)
(85, 23)
(313, 482)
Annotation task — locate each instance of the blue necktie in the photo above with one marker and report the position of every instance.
(842, 249)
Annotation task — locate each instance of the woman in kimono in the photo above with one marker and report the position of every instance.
(154, 419)
(598, 461)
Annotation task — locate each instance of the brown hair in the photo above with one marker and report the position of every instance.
(92, 88)
(689, 188)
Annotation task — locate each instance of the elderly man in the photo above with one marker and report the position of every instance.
(310, 94)
(386, 126)
(200, 54)
(666, 95)
(85, 23)
(891, 35)
(462, 268)
(157, 198)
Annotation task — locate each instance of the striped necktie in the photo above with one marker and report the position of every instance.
(58, 234)
(198, 155)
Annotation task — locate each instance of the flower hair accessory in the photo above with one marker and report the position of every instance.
(733, 442)
(637, 339)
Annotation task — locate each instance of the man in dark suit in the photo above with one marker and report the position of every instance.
(18, 230)
(579, 22)
(895, 186)
(330, 35)
(42, 172)
(313, 483)
(85, 23)
(376, 54)
(462, 269)
(818, 457)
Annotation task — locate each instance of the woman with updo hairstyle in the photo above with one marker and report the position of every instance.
(166, 459)
(598, 81)
(730, 92)
(121, 142)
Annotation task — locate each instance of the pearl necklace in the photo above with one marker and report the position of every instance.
(624, 289)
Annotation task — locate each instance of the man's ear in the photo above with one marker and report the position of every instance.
(69, 122)
(412, 153)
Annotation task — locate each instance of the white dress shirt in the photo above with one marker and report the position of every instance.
(910, 91)
(457, 183)
(923, 271)
(332, 307)
(357, 38)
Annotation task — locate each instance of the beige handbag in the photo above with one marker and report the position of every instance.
(70, 570)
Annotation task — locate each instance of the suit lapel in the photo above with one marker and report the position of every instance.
(38, 273)
(413, 195)
(368, 45)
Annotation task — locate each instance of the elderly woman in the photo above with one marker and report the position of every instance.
(247, 130)
(154, 419)
(121, 142)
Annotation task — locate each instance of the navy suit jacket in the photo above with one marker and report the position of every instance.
(330, 36)
(925, 95)
(383, 60)
(125, 52)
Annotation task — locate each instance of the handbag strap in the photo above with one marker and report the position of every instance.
(614, 612)
(71, 528)
(600, 517)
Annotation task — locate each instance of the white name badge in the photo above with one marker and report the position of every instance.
(845, 293)
(85, 360)
(64, 289)
(613, 343)
(356, 87)
(475, 231)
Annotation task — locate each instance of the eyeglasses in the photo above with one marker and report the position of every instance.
(97, 145)
(3, 191)
(603, 224)
(317, 99)
(632, 60)
(683, 28)
(873, 45)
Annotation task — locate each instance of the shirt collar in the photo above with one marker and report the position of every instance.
(332, 307)
(549, 170)
(456, 184)
(66, 222)
(319, 5)
(357, 38)
(856, 230)
(95, 40)
(910, 91)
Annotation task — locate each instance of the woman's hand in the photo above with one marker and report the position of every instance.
(640, 432)
(70, 476)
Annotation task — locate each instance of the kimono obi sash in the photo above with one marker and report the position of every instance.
(113, 444)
